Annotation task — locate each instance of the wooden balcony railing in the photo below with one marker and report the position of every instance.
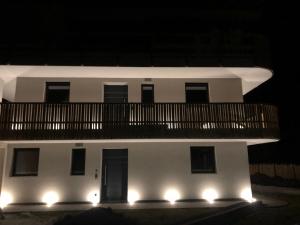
(42, 121)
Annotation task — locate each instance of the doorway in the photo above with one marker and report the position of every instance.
(114, 175)
(116, 109)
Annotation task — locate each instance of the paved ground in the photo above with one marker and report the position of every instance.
(270, 201)
(273, 214)
(77, 207)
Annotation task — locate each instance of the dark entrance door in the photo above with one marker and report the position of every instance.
(114, 175)
(116, 109)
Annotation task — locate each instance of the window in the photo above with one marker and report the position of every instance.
(25, 162)
(203, 160)
(57, 92)
(196, 93)
(115, 93)
(147, 93)
(78, 162)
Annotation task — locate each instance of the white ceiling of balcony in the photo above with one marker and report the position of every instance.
(251, 76)
(249, 141)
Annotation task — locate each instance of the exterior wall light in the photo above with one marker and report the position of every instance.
(247, 195)
(172, 196)
(132, 197)
(93, 197)
(210, 195)
(50, 198)
(5, 199)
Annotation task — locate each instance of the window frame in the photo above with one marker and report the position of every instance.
(72, 173)
(58, 83)
(13, 170)
(197, 84)
(205, 171)
(142, 93)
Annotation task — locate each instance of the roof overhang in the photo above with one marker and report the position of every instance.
(251, 76)
(171, 140)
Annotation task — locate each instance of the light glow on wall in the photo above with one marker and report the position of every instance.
(5, 199)
(172, 195)
(132, 197)
(50, 198)
(210, 195)
(93, 197)
(247, 195)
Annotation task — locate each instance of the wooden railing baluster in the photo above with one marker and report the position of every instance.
(38, 121)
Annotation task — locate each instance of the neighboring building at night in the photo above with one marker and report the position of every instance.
(73, 134)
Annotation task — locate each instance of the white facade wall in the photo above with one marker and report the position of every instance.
(2, 158)
(1, 89)
(31, 89)
(9, 90)
(153, 168)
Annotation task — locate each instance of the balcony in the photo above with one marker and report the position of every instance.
(42, 121)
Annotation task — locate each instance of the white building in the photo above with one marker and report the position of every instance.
(74, 134)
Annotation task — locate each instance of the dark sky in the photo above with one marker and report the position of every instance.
(54, 33)
(280, 24)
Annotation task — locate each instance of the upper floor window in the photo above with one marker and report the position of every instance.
(57, 92)
(25, 162)
(203, 159)
(196, 93)
(115, 93)
(78, 162)
(147, 93)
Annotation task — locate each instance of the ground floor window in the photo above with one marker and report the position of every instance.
(203, 159)
(25, 162)
(78, 162)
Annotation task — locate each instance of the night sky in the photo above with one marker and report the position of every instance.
(58, 34)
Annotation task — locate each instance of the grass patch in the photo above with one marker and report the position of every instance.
(138, 216)
(34, 218)
(165, 216)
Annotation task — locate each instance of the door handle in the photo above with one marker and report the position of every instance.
(96, 173)
(105, 170)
